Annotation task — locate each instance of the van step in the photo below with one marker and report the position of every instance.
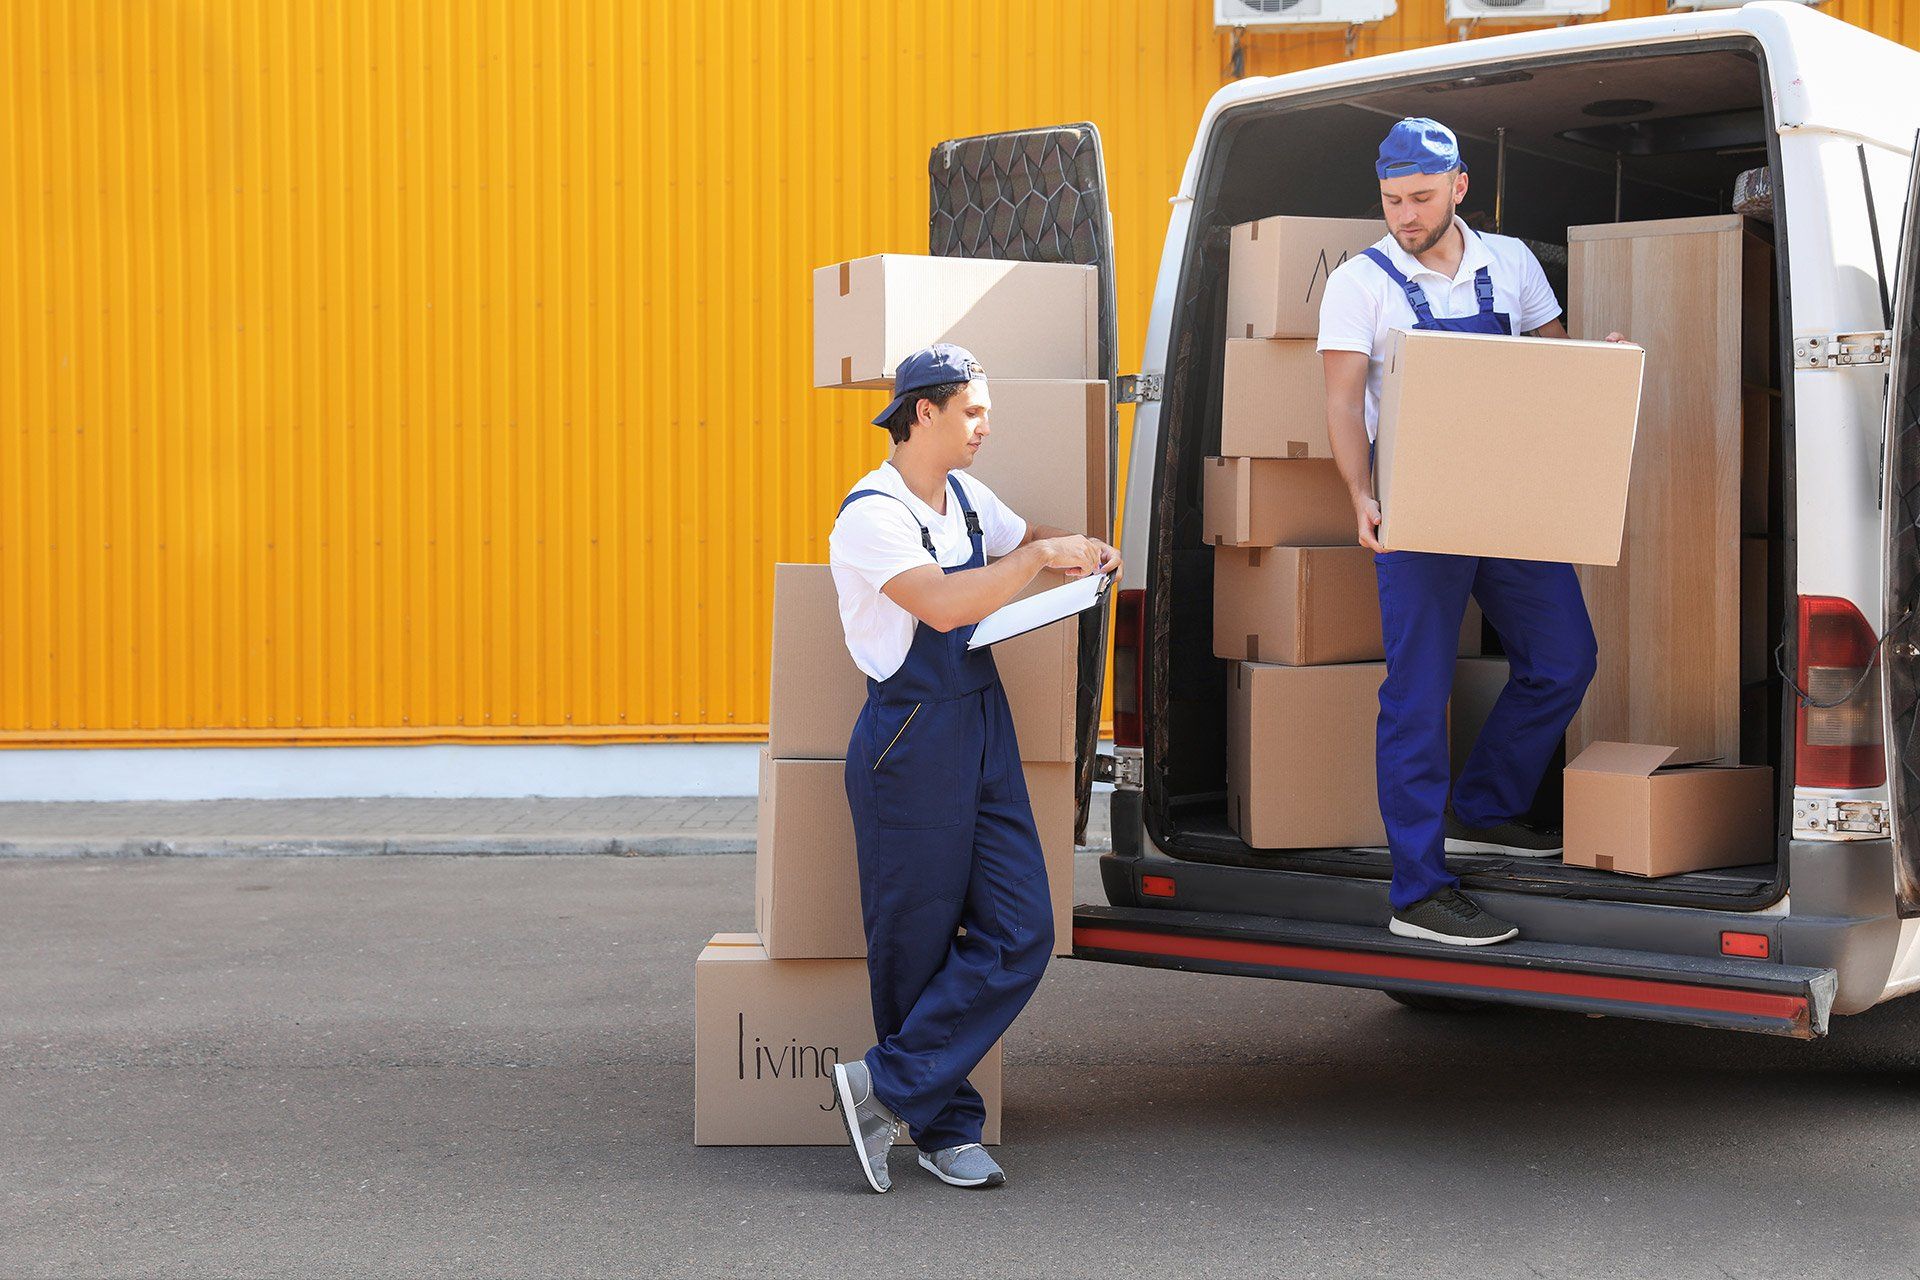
(1703, 991)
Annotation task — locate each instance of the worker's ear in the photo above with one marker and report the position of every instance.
(1459, 185)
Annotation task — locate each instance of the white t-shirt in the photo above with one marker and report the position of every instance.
(876, 538)
(1362, 304)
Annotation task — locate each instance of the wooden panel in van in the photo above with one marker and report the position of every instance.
(1696, 293)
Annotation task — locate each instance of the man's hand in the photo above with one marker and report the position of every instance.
(1073, 555)
(1109, 558)
(1366, 513)
(1621, 337)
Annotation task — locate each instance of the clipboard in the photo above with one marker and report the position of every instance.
(1044, 609)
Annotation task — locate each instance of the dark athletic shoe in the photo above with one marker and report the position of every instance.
(1451, 917)
(1514, 838)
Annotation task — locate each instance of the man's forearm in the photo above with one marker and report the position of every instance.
(1041, 532)
(965, 597)
(1347, 433)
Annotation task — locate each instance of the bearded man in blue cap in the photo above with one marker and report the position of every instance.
(943, 830)
(1432, 271)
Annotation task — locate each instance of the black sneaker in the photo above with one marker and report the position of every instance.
(1511, 837)
(1451, 917)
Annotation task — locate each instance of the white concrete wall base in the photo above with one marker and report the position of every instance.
(271, 773)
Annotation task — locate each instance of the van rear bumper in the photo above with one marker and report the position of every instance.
(1705, 991)
(1840, 918)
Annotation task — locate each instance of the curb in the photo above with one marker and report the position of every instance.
(501, 846)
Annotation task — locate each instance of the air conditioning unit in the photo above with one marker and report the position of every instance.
(1300, 13)
(1522, 10)
(1687, 6)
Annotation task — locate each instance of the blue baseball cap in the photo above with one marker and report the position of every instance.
(930, 367)
(1418, 145)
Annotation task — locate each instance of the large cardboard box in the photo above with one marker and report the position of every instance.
(1050, 788)
(1299, 606)
(1046, 455)
(1300, 755)
(1019, 319)
(1498, 446)
(1477, 683)
(1273, 400)
(807, 875)
(1274, 502)
(1629, 809)
(806, 900)
(766, 1035)
(817, 692)
(1277, 271)
(1667, 616)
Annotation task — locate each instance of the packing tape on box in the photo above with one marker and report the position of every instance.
(846, 278)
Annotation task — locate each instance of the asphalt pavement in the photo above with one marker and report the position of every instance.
(450, 1066)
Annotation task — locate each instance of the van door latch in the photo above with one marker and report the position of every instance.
(1825, 818)
(1139, 388)
(1835, 350)
(1123, 771)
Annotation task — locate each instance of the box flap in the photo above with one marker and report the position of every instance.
(1633, 759)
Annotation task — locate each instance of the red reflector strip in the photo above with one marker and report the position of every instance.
(1157, 886)
(1751, 945)
(1674, 995)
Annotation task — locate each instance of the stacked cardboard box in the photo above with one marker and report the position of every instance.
(774, 1010)
(1295, 607)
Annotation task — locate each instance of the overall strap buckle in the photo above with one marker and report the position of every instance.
(973, 524)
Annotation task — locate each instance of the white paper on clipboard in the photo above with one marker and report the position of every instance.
(1040, 610)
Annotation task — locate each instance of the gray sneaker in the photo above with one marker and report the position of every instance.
(967, 1165)
(1516, 839)
(870, 1125)
(1450, 916)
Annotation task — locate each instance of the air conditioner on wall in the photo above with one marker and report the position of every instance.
(1299, 13)
(1687, 6)
(1522, 10)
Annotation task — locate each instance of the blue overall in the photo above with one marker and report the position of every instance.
(1542, 621)
(945, 838)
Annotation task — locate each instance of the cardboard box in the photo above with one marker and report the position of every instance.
(1629, 809)
(1498, 446)
(817, 692)
(1046, 455)
(1298, 606)
(806, 870)
(1019, 319)
(1300, 755)
(1277, 271)
(1275, 502)
(1273, 400)
(806, 899)
(1756, 633)
(766, 1035)
(1477, 683)
(1050, 788)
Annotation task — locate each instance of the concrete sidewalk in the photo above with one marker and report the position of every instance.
(625, 826)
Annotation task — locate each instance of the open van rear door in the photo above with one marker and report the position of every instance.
(1902, 517)
(1040, 195)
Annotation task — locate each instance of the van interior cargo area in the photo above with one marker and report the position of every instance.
(1592, 139)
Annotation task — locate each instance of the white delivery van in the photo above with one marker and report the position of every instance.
(1823, 919)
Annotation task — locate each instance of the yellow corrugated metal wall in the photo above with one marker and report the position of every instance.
(376, 371)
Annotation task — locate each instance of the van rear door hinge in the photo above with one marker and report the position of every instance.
(1139, 388)
(1123, 771)
(1836, 350)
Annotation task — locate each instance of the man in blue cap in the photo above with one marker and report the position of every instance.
(943, 830)
(1431, 271)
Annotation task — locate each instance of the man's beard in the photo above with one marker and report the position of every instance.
(1438, 231)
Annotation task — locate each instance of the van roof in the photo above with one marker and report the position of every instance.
(1828, 75)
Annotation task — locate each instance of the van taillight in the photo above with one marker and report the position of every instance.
(1129, 677)
(1839, 746)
